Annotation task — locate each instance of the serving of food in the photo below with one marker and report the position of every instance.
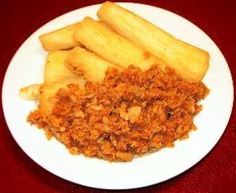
(117, 83)
(117, 88)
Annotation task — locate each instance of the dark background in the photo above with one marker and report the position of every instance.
(215, 173)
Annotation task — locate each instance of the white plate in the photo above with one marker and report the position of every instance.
(27, 65)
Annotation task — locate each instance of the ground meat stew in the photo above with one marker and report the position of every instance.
(130, 113)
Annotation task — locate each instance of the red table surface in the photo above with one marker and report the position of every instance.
(215, 173)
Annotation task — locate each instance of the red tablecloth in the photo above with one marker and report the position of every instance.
(215, 173)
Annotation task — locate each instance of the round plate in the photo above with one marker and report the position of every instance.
(26, 68)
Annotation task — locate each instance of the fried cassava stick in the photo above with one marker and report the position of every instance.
(89, 64)
(59, 39)
(55, 68)
(111, 46)
(188, 61)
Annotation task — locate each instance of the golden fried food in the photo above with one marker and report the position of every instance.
(130, 113)
(30, 92)
(48, 92)
(113, 47)
(59, 39)
(188, 61)
(55, 68)
(89, 64)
